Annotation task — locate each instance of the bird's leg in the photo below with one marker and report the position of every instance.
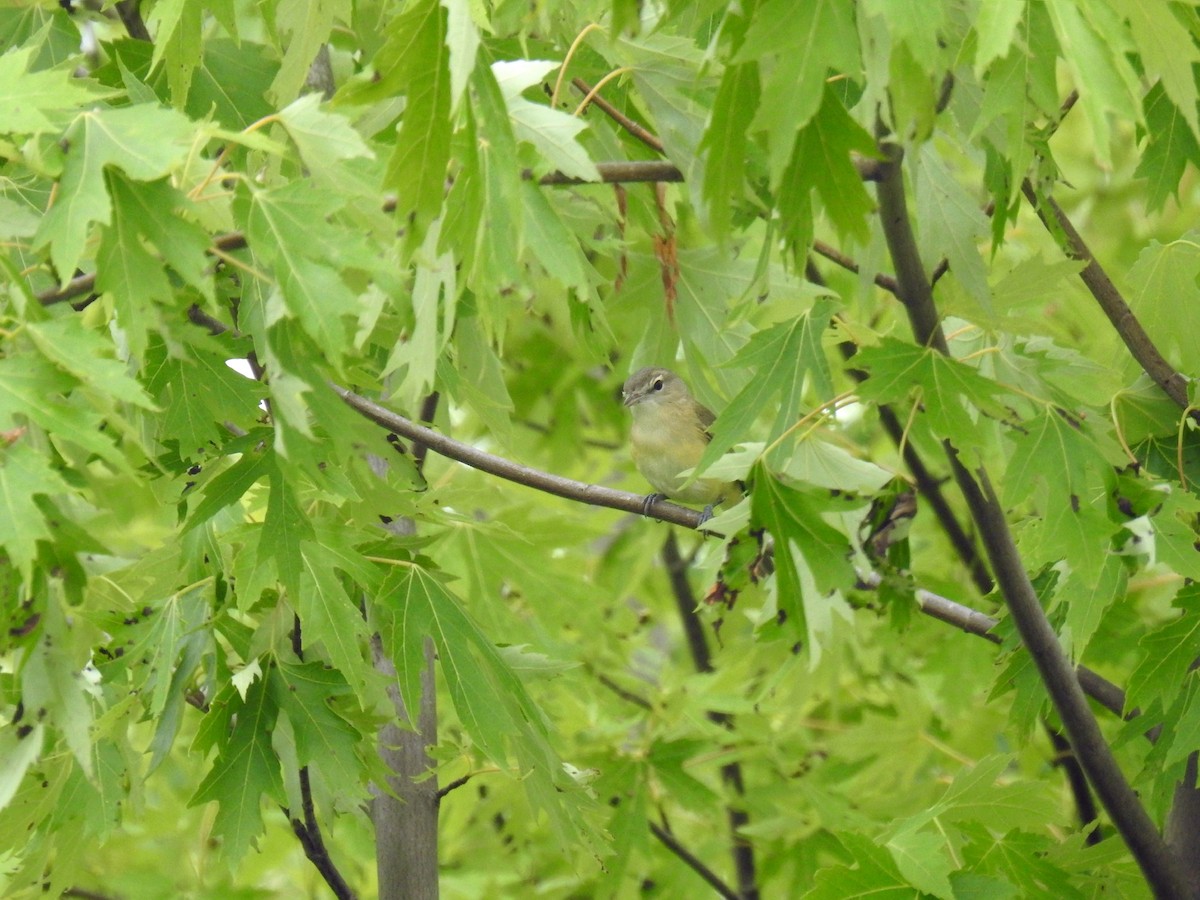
(650, 500)
(705, 515)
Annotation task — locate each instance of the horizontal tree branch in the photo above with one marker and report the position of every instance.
(592, 494)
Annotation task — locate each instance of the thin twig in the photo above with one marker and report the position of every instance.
(636, 130)
(614, 173)
(836, 256)
(624, 693)
(131, 17)
(1106, 693)
(453, 786)
(972, 621)
(1085, 803)
(1140, 346)
(693, 862)
(308, 831)
(731, 773)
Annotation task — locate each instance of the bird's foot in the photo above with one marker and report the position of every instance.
(705, 515)
(650, 500)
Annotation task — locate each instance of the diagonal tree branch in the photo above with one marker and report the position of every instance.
(694, 862)
(1160, 868)
(1140, 346)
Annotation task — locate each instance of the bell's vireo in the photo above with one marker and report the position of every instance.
(669, 435)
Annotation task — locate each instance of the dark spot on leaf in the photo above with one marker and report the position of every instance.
(23, 731)
(19, 712)
(147, 610)
(195, 470)
(797, 647)
(25, 627)
(781, 616)
(614, 801)
(1075, 503)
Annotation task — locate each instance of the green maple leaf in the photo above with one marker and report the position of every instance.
(245, 769)
(951, 392)
(794, 519)
(24, 475)
(144, 141)
(329, 616)
(323, 738)
(288, 227)
(37, 101)
(1167, 654)
(490, 699)
(35, 390)
(784, 358)
(1170, 146)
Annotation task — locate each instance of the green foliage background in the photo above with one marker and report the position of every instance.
(165, 521)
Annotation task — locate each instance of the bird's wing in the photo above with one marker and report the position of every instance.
(706, 417)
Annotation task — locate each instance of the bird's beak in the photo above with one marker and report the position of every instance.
(629, 399)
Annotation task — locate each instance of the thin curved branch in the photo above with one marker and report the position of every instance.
(308, 831)
(836, 256)
(642, 134)
(1161, 870)
(1140, 346)
(131, 18)
(592, 494)
(693, 862)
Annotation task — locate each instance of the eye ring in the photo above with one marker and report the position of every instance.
(658, 384)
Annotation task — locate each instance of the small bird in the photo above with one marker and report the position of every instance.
(669, 435)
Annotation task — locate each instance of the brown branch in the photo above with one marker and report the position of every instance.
(731, 773)
(1106, 693)
(693, 862)
(1085, 804)
(592, 494)
(1161, 870)
(638, 131)
(1138, 342)
(131, 18)
(835, 256)
(453, 786)
(616, 172)
(972, 621)
(308, 832)
(624, 693)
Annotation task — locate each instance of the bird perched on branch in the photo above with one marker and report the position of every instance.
(669, 435)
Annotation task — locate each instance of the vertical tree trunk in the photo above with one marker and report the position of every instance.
(1183, 826)
(406, 850)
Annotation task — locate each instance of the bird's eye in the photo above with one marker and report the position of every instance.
(658, 384)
